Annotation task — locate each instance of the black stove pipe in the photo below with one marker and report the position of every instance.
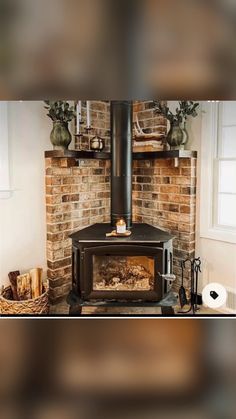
(121, 161)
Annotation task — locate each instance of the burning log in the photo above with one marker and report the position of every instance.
(123, 276)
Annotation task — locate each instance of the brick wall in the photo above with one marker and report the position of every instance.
(77, 195)
(100, 124)
(100, 121)
(165, 196)
(148, 120)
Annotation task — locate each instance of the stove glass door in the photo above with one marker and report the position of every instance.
(123, 273)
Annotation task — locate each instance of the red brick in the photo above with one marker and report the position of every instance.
(68, 162)
(59, 263)
(53, 199)
(169, 189)
(185, 209)
(186, 162)
(70, 198)
(55, 237)
(170, 207)
(173, 171)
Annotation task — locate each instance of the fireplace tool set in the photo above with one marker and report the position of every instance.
(195, 297)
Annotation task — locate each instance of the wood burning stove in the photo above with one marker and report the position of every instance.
(134, 269)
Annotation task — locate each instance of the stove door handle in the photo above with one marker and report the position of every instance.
(168, 277)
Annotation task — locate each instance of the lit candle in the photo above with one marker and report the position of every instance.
(88, 114)
(78, 116)
(121, 226)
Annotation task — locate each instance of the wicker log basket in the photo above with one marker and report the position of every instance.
(33, 306)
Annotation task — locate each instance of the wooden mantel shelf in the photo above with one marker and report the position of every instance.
(102, 155)
(170, 154)
(76, 154)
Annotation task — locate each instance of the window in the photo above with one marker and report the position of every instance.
(218, 171)
(225, 167)
(4, 169)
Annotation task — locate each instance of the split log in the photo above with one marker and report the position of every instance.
(24, 287)
(13, 281)
(36, 282)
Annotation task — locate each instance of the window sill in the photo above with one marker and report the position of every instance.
(219, 234)
(6, 193)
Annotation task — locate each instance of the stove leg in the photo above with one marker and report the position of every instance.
(75, 310)
(167, 311)
(74, 302)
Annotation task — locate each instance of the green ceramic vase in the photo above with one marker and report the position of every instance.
(60, 135)
(175, 137)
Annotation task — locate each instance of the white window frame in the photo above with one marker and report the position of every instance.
(5, 191)
(209, 184)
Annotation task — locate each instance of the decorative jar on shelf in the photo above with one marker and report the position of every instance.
(96, 143)
(60, 135)
(175, 137)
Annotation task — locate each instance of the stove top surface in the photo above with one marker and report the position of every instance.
(141, 233)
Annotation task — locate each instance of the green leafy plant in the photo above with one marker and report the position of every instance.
(185, 109)
(60, 111)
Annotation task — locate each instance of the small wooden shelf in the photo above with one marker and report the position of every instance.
(103, 155)
(170, 154)
(76, 154)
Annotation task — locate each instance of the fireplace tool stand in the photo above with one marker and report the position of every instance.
(195, 298)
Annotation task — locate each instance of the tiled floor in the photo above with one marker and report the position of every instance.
(63, 308)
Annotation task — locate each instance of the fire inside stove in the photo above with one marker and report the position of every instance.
(123, 273)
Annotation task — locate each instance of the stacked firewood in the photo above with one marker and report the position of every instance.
(26, 286)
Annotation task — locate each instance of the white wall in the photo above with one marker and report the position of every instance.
(22, 216)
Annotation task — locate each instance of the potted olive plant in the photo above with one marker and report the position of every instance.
(61, 113)
(177, 135)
